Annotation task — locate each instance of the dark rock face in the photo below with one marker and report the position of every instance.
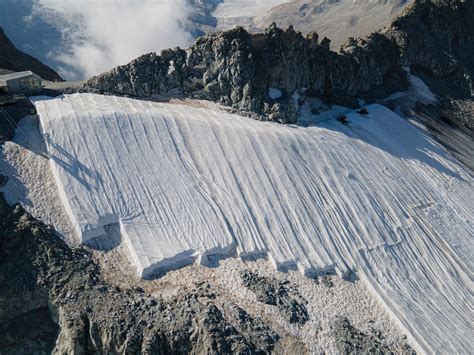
(3, 180)
(434, 34)
(124, 321)
(32, 332)
(60, 292)
(437, 39)
(236, 68)
(350, 340)
(19, 236)
(13, 59)
(277, 293)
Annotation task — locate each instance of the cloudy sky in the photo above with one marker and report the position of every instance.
(100, 34)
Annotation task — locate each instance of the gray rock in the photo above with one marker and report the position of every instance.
(327, 282)
(277, 293)
(350, 340)
(45, 283)
(436, 38)
(236, 69)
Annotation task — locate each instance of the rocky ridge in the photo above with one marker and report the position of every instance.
(277, 293)
(436, 39)
(13, 59)
(237, 69)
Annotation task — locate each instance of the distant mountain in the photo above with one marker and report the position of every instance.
(232, 13)
(30, 33)
(202, 20)
(13, 59)
(336, 19)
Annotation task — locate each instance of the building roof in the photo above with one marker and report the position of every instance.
(17, 75)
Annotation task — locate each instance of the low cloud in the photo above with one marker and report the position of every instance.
(101, 34)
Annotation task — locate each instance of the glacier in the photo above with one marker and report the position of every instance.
(378, 199)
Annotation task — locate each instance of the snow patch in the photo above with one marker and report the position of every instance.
(417, 92)
(421, 91)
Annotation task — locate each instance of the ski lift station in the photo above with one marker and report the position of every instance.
(20, 82)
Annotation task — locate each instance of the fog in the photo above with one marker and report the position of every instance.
(101, 34)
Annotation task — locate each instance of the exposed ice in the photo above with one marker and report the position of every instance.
(377, 197)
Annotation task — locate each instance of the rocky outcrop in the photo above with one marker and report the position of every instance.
(237, 69)
(436, 35)
(60, 289)
(436, 38)
(13, 59)
(350, 340)
(277, 293)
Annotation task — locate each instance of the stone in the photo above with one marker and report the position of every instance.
(277, 293)
(45, 288)
(350, 340)
(236, 69)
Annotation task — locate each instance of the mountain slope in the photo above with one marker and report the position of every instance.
(232, 13)
(15, 60)
(184, 183)
(336, 19)
(29, 31)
